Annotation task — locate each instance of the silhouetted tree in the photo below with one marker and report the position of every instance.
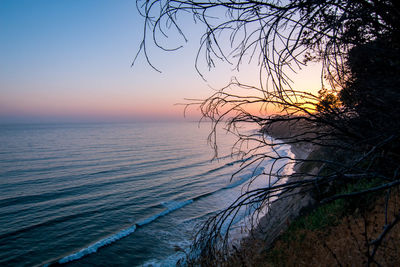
(353, 121)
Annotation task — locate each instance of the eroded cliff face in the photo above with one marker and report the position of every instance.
(291, 203)
(284, 210)
(281, 212)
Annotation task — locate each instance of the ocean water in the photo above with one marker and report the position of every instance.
(110, 194)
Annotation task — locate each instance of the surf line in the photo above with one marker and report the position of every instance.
(170, 207)
(121, 234)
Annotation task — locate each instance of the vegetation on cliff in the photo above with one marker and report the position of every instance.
(352, 123)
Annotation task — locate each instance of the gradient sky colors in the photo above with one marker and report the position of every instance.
(71, 60)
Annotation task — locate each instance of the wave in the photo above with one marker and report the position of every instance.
(170, 207)
(101, 243)
(51, 221)
(245, 177)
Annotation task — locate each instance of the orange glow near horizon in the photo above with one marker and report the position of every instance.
(45, 73)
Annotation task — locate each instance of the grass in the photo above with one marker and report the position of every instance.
(336, 233)
(319, 222)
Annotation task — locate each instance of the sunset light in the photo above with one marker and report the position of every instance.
(60, 60)
(199, 133)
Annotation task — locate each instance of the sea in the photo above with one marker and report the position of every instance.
(114, 194)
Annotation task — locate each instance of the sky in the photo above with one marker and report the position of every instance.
(71, 60)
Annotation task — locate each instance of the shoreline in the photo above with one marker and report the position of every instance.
(281, 211)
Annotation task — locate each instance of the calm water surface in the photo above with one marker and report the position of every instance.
(108, 194)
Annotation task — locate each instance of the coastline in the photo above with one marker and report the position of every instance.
(287, 207)
(315, 238)
(283, 210)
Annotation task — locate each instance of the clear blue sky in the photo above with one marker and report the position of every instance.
(71, 59)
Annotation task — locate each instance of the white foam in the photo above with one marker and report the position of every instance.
(245, 178)
(172, 259)
(101, 243)
(171, 206)
(282, 167)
